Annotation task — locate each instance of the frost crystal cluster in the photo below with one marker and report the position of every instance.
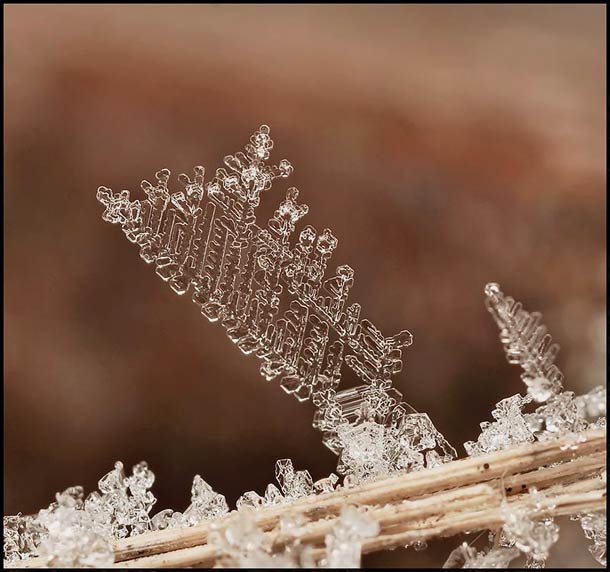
(76, 531)
(594, 527)
(277, 298)
(344, 543)
(468, 557)
(292, 485)
(531, 535)
(206, 504)
(528, 344)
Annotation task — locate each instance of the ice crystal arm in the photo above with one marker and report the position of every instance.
(526, 343)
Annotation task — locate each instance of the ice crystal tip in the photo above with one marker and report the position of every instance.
(492, 290)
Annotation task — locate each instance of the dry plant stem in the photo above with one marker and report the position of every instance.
(461, 519)
(460, 496)
(502, 464)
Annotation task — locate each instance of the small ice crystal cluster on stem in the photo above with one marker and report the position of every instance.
(206, 504)
(292, 485)
(522, 533)
(242, 544)
(344, 543)
(76, 531)
(531, 535)
(73, 537)
(528, 344)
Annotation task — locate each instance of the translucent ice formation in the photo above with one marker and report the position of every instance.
(279, 298)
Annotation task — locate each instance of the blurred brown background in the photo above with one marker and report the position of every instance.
(446, 146)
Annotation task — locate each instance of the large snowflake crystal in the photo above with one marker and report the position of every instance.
(276, 296)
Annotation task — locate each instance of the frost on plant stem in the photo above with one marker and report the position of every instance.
(277, 297)
(206, 504)
(344, 543)
(292, 485)
(532, 535)
(528, 344)
(73, 538)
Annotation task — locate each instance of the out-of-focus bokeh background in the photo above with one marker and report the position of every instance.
(446, 146)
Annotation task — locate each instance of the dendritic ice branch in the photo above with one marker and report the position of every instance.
(526, 343)
(277, 299)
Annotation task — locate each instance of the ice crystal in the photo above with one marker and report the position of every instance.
(239, 540)
(123, 504)
(523, 529)
(292, 485)
(206, 504)
(76, 531)
(344, 543)
(467, 557)
(326, 484)
(242, 544)
(526, 343)
(274, 295)
(72, 539)
(21, 536)
(594, 527)
(510, 427)
(592, 406)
